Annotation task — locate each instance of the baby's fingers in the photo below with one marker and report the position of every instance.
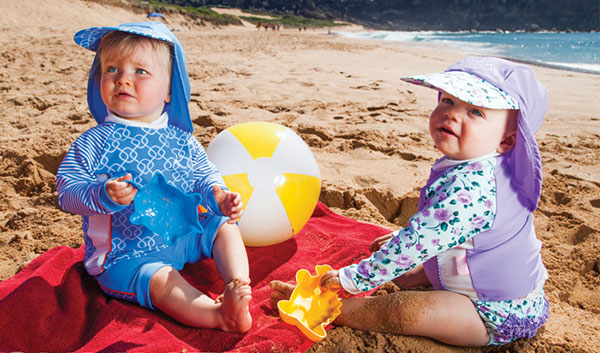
(236, 200)
(378, 242)
(331, 281)
(236, 212)
(121, 192)
(331, 284)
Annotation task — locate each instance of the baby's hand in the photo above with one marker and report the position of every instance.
(377, 243)
(120, 191)
(331, 281)
(230, 203)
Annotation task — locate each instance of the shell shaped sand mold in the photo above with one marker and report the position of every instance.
(166, 210)
(309, 309)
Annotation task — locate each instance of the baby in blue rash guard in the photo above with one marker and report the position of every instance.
(138, 93)
(473, 238)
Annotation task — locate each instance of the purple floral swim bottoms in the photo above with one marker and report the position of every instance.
(509, 320)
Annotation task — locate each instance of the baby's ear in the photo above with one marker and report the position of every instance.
(508, 142)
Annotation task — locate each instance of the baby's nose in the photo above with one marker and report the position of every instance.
(123, 79)
(454, 114)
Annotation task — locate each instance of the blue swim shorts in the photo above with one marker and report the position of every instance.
(130, 279)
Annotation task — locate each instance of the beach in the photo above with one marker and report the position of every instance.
(367, 129)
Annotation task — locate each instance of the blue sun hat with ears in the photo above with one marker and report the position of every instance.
(496, 83)
(178, 107)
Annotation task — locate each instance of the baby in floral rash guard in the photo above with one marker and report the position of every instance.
(473, 237)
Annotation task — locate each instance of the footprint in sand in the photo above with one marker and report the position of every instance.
(582, 234)
(371, 86)
(316, 131)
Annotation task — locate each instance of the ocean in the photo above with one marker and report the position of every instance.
(577, 51)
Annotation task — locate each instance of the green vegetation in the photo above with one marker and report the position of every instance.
(289, 20)
(198, 13)
(455, 15)
(205, 14)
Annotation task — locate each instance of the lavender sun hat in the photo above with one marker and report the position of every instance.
(496, 83)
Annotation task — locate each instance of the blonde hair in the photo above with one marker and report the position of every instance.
(122, 44)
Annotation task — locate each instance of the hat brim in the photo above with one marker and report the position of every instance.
(466, 87)
(89, 38)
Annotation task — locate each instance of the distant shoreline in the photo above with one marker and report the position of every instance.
(576, 67)
(551, 66)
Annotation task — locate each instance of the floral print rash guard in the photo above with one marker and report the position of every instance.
(460, 204)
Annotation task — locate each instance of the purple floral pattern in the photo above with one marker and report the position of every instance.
(510, 320)
(467, 87)
(457, 206)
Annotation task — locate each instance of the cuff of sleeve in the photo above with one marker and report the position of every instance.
(106, 201)
(347, 282)
(212, 204)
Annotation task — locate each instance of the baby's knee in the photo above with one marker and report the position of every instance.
(161, 286)
(228, 234)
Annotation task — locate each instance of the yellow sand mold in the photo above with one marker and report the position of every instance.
(309, 308)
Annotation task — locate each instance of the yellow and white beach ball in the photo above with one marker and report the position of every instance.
(276, 174)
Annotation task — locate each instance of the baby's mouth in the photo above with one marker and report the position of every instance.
(445, 130)
(123, 95)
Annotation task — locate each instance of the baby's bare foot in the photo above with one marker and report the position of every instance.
(282, 291)
(234, 306)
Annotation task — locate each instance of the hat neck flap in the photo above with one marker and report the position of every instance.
(178, 107)
(520, 83)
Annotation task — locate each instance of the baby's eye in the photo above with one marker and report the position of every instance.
(447, 100)
(477, 112)
(112, 69)
(141, 71)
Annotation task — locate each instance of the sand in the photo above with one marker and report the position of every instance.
(367, 129)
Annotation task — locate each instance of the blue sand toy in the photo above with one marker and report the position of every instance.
(166, 210)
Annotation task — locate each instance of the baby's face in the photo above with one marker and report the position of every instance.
(464, 131)
(135, 87)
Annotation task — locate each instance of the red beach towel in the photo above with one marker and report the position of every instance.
(54, 306)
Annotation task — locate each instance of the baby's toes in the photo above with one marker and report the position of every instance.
(275, 298)
(285, 289)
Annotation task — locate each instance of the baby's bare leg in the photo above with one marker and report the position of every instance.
(231, 259)
(442, 315)
(229, 253)
(172, 294)
(413, 278)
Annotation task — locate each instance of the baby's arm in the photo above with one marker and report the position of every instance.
(413, 278)
(79, 190)
(462, 207)
(206, 178)
(230, 203)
